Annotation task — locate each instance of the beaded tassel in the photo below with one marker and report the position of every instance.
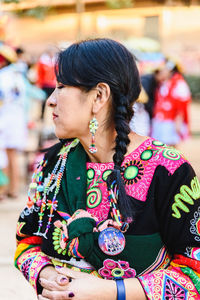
(113, 193)
(54, 182)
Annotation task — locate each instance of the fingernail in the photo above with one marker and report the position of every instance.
(71, 295)
(70, 279)
(63, 279)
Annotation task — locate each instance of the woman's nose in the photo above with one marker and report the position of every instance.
(51, 101)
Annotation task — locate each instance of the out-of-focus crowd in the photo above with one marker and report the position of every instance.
(21, 82)
(162, 110)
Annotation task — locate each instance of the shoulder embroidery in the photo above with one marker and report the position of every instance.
(186, 195)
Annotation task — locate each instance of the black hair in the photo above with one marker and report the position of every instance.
(19, 50)
(87, 63)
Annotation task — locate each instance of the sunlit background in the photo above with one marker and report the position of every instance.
(174, 25)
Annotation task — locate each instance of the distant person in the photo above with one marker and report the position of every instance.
(16, 93)
(3, 178)
(171, 117)
(140, 123)
(46, 79)
(150, 82)
(3, 165)
(21, 60)
(143, 108)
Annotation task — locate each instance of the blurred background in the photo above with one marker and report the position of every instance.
(164, 36)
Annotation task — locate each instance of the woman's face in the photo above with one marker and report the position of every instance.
(71, 111)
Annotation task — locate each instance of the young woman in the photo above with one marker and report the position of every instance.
(171, 112)
(106, 201)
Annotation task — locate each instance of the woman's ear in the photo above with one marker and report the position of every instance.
(102, 97)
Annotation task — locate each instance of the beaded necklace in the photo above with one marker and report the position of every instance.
(42, 186)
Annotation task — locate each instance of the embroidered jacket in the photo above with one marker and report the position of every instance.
(162, 243)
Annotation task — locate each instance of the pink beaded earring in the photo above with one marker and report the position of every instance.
(93, 126)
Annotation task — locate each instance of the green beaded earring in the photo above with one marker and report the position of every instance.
(93, 126)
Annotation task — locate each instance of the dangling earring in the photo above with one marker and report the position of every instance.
(93, 128)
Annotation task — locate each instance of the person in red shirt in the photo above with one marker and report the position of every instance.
(45, 75)
(171, 121)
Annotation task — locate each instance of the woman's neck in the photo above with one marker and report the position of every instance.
(104, 142)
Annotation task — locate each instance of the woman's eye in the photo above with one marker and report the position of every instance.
(60, 86)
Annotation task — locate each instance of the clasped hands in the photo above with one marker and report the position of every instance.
(64, 284)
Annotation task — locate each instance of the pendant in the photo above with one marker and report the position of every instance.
(111, 241)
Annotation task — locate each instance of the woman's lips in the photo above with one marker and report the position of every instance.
(54, 116)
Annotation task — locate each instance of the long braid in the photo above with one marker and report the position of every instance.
(122, 128)
(115, 180)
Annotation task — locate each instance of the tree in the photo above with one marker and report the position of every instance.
(119, 3)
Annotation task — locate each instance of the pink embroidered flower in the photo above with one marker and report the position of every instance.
(114, 269)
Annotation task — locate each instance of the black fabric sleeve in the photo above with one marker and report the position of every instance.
(177, 207)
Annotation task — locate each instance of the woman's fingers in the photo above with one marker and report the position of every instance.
(62, 280)
(57, 295)
(54, 285)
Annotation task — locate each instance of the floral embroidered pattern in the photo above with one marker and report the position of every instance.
(115, 269)
(195, 225)
(139, 167)
(94, 195)
(134, 171)
(97, 194)
(26, 266)
(170, 284)
(173, 290)
(193, 253)
(31, 262)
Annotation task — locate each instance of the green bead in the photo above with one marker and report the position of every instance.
(56, 242)
(56, 247)
(33, 185)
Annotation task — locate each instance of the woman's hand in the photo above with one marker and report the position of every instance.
(58, 281)
(82, 286)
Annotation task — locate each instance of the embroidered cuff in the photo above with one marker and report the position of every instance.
(31, 262)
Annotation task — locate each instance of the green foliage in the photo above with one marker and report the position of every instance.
(194, 84)
(119, 3)
(38, 12)
(11, 1)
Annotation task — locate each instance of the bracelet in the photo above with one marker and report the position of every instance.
(121, 292)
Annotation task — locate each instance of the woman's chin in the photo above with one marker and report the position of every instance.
(62, 135)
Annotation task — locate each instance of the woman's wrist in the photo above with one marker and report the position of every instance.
(108, 290)
(134, 287)
(47, 272)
